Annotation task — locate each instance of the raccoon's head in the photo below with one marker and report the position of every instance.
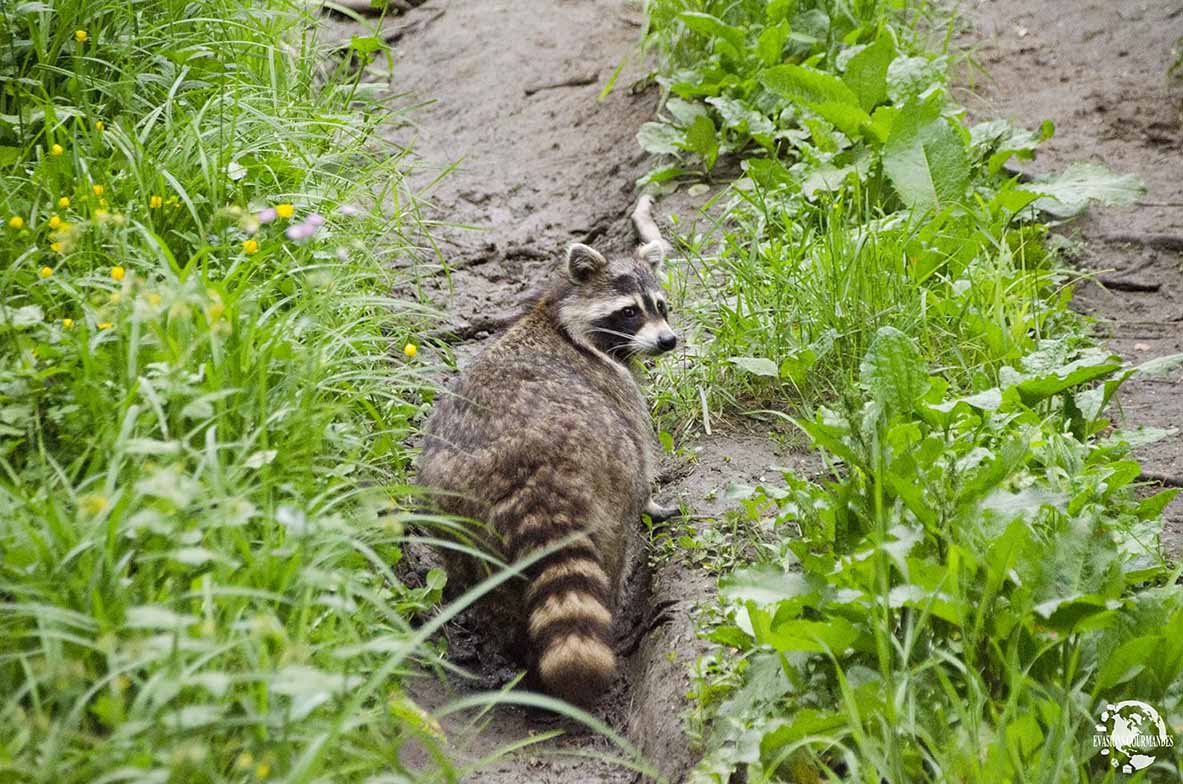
(617, 306)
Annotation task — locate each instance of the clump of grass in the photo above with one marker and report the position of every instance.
(201, 417)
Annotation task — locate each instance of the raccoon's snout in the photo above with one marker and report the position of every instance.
(666, 341)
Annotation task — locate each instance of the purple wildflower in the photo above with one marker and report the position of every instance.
(315, 219)
(266, 216)
(298, 232)
(349, 211)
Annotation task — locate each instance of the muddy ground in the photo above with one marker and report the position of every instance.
(508, 108)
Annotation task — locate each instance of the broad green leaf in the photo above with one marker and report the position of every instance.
(927, 163)
(1159, 366)
(846, 118)
(826, 178)
(835, 634)
(684, 112)
(758, 366)
(1082, 183)
(660, 138)
(893, 371)
(805, 723)
(986, 400)
(866, 73)
(1152, 507)
(737, 115)
(715, 28)
(1092, 365)
(768, 173)
(701, 138)
(914, 78)
(829, 438)
(763, 586)
(1128, 661)
(1069, 613)
(806, 85)
(771, 43)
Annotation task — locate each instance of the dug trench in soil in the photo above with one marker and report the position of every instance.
(1098, 70)
(507, 94)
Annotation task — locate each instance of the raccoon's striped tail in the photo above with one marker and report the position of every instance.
(570, 624)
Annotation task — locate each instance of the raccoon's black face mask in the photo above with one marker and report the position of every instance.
(617, 307)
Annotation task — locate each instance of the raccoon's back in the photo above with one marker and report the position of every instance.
(510, 419)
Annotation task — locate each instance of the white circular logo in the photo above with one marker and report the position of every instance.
(1130, 735)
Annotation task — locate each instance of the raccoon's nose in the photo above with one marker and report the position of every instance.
(667, 341)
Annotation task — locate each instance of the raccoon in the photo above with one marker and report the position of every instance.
(546, 437)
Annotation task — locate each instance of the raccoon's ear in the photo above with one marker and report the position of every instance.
(584, 263)
(652, 253)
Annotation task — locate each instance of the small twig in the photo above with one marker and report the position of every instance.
(1166, 480)
(465, 332)
(1159, 203)
(1125, 284)
(396, 35)
(1173, 242)
(574, 81)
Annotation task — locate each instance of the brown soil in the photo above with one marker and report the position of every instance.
(1098, 70)
(507, 93)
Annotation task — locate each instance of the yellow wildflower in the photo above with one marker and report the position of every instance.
(250, 247)
(284, 210)
(155, 202)
(410, 350)
(80, 36)
(117, 273)
(98, 190)
(104, 325)
(56, 247)
(262, 770)
(16, 222)
(54, 221)
(98, 125)
(64, 202)
(45, 272)
(56, 150)
(154, 298)
(92, 504)
(67, 323)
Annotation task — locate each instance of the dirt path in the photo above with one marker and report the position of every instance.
(508, 92)
(1098, 70)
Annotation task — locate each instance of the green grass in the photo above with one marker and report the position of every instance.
(201, 420)
(977, 579)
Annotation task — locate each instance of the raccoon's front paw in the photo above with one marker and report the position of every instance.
(658, 513)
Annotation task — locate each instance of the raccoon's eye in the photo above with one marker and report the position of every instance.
(662, 309)
(629, 312)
